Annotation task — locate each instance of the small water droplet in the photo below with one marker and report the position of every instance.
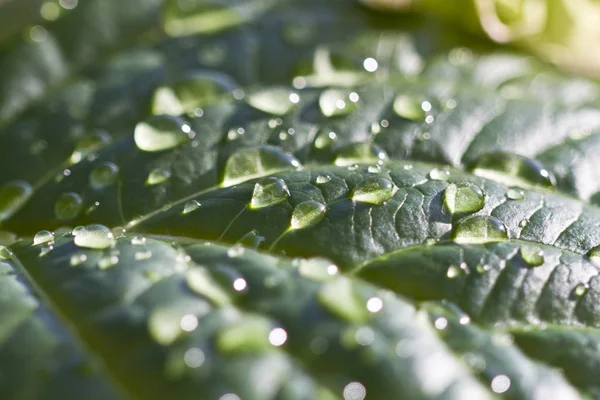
(89, 144)
(277, 101)
(254, 162)
(479, 229)
(251, 240)
(249, 335)
(323, 179)
(580, 289)
(161, 132)
(143, 255)
(158, 176)
(360, 153)
(13, 196)
(307, 213)
(453, 272)
(43, 237)
(277, 337)
(594, 255)
(439, 174)
(190, 206)
(513, 169)
(94, 237)
(200, 282)
(523, 223)
(104, 175)
(164, 326)
(317, 269)
(515, 194)
(138, 241)
(340, 298)
(463, 197)
(324, 139)
(68, 206)
(5, 253)
(118, 231)
(77, 259)
(409, 108)
(235, 251)
(337, 102)
(374, 304)
(532, 255)
(374, 191)
(269, 191)
(354, 391)
(108, 262)
(483, 268)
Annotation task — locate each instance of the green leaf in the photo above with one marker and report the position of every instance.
(298, 200)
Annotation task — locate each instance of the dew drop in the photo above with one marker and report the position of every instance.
(408, 108)
(138, 241)
(13, 196)
(307, 213)
(200, 282)
(158, 176)
(68, 206)
(340, 298)
(323, 179)
(161, 132)
(254, 162)
(164, 326)
(77, 259)
(324, 139)
(5, 253)
(479, 229)
(269, 191)
(580, 289)
(453, 272)
(354, 391)
(337, 102)
(108, 262)
(89, 144)
(7, 238)
(277, 337)
(594, 255)
(373, 191)
(532, 255)
(143, 255)
(483, 268)
(317, 269)
(360, 153)
(43, 237)
(249, 335)
(463, 197)
(374, 304)
(523, 223)
(439, 174)
(191, 206)
(512, 169)
(277, 101)
(94, 237)
(104, 175)
(515, 194)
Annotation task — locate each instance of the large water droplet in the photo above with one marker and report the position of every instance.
(514, 170)
(253, 162)
(88, 144)
(68, 206)
(43, 237)
(269, 191)
(194, 91)
(360, 153)
(409, 108)
(13, 196)
(323, 179)
(479, 229)
(340, 298)
(337, 102)
(249, 335)
(532, 255)
(277, 101)
(463, 197)
(158, 176)
(374, 191)
(307, 213)
(104, 175)
(191, 206)
(94, 237)
(161, 132)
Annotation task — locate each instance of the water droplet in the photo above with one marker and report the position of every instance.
(43, 237)
(439, 174)
(323, 179)
(594, 255)
(317, 269)
(250, 335)
(103, 175)
(500, 384)
(254, 162)
(277, 337)
(68, 206)
(513, 169)
(77, 259)
(325, 139)
(515, 194)
(94, 237)
(479, 229)
(138, 241)
(440, 323)
(307, 213)
(374, 191)
(523, 223)
(203, 284)
(190, 206)
(191, 92)
(161, 132)
(453, 272)
(463, 197)
(5, 253)
(164, 326)
(158, 176)
(532, 255)
(337, 102)
(374, 304)
(108, 262)
(355, 391)
(360, 153)
(89, 144)
(251, 240)
(340, 298)
(580, 289)
(277, 101)
(143, 255)
(7, 238)
(269, 191)
(483, 268)
(409, 108)
(13, 196)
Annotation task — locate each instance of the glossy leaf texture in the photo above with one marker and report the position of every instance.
(292, 200)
